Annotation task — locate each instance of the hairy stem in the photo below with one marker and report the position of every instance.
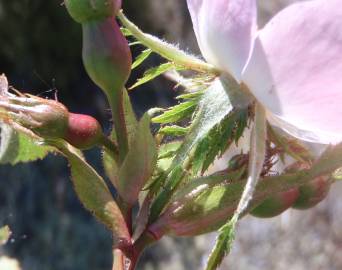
(118, 116)
(167, 50)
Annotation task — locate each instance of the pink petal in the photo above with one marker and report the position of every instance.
(301, 48)
(225, 31)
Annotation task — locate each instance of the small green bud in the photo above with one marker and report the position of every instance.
(83, 11)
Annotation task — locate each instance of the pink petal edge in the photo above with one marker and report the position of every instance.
(225, 31)
(300, 54)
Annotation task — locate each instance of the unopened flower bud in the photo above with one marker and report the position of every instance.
(106, 55)
(89, 10)
(83, 131)
(313, 192)
(276, 204)
(50, 119)
(205, 213)
(46, 118)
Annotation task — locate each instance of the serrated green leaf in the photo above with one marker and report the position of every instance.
(218, 139)
(141, 58)
(176, 131)
(16, 147)
(177, 113)
(168, 150)
(166, 154)
(181, 111)
(139, 163)
(94, 193)
(5, 234)
(223, 245)
(214, 106)
(152, 73)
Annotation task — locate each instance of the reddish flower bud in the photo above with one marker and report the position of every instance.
(83, 11)
(106, 55)
(83, 131)
(193, 216)
(313, 193)
(50, 119)
(276, 204)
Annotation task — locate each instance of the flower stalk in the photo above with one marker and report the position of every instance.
(166, 50)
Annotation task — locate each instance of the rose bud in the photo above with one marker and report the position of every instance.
(106, 54)
(312, 193)
(50, 119)
(83, 131)
(276, 204)
(190, 216)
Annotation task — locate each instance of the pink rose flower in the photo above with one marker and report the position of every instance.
(293, 66)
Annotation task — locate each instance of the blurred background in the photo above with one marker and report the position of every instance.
(40, 53)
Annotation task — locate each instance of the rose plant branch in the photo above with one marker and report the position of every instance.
(248, 83)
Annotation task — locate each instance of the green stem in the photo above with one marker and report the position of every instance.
(167, 50)
(110, 147)
(118, 116)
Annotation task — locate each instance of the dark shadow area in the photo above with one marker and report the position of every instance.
(41, 54)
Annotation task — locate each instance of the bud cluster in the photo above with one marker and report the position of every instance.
(194, 215)
(301, 198)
